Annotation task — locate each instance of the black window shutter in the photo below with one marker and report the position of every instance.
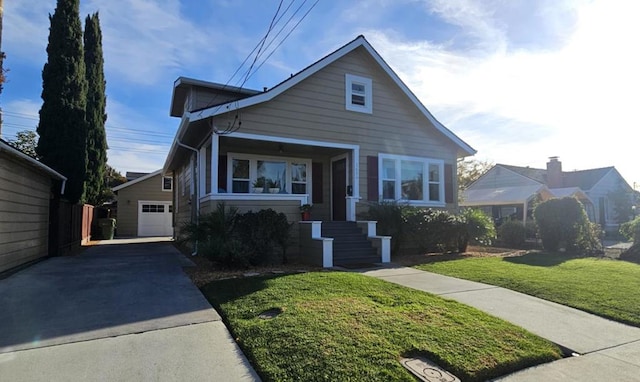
(222, 172)
(317, 185)
(448, 183)
(372, 178)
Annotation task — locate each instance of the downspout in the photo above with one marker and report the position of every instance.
(196, 187)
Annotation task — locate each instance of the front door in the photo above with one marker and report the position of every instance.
(339, 189)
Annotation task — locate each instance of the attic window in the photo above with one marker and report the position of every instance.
(167, 183)
(358, 94)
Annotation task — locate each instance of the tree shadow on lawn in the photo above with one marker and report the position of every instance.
(541, 259)
(220, 292)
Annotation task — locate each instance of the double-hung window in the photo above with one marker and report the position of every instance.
(417, 180)
(358, 91)
(167, 183)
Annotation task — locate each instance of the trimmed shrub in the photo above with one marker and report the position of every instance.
(391, 218)
(263, 231)
(563, 223)
(239, 240)
(437, 230)
(631, 230)
(512, 233)
(480, 226)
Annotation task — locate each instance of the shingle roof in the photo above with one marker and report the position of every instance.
(584, 179)
(539, 175)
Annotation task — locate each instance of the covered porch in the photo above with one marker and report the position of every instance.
(518, 202)
(260, 171)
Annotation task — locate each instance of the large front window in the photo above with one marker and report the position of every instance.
(413, 179)
(269, 175)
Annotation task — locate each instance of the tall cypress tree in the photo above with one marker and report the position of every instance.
(62, 128)
(95, 111)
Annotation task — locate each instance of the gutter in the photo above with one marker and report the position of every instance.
(34, 162)
(196, 187)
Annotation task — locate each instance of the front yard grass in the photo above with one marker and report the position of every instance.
(608, 288)
(338, 326)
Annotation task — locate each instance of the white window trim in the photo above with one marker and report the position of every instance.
(368, 91)
(162, 185)
(425, 181)
(253, 171)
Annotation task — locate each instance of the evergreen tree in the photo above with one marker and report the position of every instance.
(62, 128)
(95, 111)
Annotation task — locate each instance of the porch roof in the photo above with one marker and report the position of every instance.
(569, 191)
(502, 195)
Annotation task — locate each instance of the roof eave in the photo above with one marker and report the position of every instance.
(463, 151)
(137, 180)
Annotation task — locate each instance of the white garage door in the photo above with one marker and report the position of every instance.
(154, 218)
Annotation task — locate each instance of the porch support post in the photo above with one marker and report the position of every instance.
(355, 184)
(215, 152)
(524, 218)
(202, 176)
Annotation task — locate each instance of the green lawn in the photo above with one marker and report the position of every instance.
(609, 288)
(338, 326)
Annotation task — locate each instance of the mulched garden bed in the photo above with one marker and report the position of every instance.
(206, 271)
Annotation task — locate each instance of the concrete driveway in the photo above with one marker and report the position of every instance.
(117, 312)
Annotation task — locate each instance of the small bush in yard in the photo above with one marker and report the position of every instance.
(631, 230)
(512, 233)
(563, 223)
(238, 240)
(480, 227)
(262, 231)
(391, 218)
(437, 230)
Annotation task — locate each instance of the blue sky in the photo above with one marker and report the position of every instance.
(518, 80)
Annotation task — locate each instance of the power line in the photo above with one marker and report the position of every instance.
(285, 37)
(282, 29)
(108, 126)
(259, 44)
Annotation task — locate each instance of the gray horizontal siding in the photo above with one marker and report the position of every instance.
(24, 213)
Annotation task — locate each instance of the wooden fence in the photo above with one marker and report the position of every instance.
(70, 226)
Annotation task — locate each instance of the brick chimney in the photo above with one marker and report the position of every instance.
(554, 173)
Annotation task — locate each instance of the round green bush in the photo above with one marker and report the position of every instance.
(512, 233)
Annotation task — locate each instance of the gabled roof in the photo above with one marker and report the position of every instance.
(137, 180)
(6, 147)
(360, 41)
(583, 179)
(536, 174)
(182, 85)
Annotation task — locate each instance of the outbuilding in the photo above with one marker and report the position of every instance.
(144, 206)
(26, 189)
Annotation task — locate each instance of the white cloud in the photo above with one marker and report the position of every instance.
(151, 39)
(138, 157)
(522, 106)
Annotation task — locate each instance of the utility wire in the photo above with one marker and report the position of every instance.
(261, 42)
(237, 121)
(285, 38)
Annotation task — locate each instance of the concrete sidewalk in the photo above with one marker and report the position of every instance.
(606, 350)
(124, 312)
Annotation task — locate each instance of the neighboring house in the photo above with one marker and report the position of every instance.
(26, 187)
(341, 133)
(510, 191)
(144, 205)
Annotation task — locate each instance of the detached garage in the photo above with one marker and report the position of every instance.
(144, 206)
(26, 187)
